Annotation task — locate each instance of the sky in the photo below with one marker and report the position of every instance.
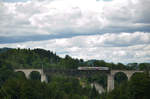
(110, 30)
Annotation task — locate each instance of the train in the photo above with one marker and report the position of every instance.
(93, 68)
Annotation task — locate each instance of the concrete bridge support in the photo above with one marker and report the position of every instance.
(110, 82)
(28, 71)
(98, 87)
(43, 78)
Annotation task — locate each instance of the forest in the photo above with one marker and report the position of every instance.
(14, 85)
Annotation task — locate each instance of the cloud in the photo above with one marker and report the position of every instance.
(14, 0)
(114, 30)
(48, 17)
(123, 47)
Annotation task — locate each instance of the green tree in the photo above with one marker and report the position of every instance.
(140, 86)
(119, 78)
(144, 66)
(35, 75)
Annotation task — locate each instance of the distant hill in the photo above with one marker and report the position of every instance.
(36, 58)
(91, 62)
(4, 49)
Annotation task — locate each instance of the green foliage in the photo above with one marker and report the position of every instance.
(26, 58)
(22, 89)
(94, 93)
(137, 88)
(35, 75)
(144, 66)
(100, 78)
(16, 86)
(4, 49)
(132, 66)
(59, 88)
(4, 75)
(120, 78)
(140, 86)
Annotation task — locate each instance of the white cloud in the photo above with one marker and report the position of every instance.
(72, 16)
(103, 46)
(113, 27)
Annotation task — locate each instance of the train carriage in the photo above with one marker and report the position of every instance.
(93, 68)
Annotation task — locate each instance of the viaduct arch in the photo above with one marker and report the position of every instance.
(28, 71)
(110, 79)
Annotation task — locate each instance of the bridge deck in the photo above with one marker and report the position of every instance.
(74, 72)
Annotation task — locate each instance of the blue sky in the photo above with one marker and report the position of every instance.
(111, 30)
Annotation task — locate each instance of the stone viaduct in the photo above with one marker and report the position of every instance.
(110, 74)
(28, 71)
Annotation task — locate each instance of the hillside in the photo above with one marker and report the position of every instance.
(35, 58)
(4, 49)
(26, 58)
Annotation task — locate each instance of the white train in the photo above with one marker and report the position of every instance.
(93, 68)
